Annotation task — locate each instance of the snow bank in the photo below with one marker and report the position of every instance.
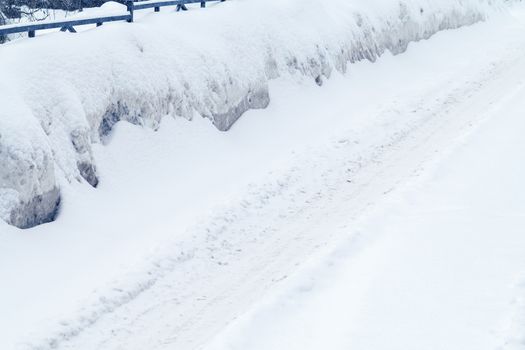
(28, 190)
(63, 92)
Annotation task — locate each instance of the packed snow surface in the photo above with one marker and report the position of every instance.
(62, 93)
(442, 266)
(383, 210)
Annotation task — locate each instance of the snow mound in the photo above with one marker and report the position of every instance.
(63, 92)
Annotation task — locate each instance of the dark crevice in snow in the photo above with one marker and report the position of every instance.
(257, 99)
(88, 172)
(112, 116)
(39, 210)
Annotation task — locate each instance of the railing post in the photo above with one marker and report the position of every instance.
(130, 6)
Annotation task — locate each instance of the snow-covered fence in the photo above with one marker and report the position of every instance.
(69, 25)
(156, 5)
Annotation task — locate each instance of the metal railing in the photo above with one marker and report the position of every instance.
(69, 25)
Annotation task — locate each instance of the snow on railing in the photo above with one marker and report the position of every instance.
(69, 25)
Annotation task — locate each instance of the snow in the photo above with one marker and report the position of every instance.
(215, 63)
(409, 165)
(441, 267)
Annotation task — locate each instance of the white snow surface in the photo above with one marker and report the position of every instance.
(63, 92)
(440, 265)
(383, 210)
(411, 166)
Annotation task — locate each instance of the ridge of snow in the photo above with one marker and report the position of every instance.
(215, 63)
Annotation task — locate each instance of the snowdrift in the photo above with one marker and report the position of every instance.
(61, 93)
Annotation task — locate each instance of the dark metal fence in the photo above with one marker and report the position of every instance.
(69, 25)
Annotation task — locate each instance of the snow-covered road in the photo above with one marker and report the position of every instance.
(441, 267)
(409, 169)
